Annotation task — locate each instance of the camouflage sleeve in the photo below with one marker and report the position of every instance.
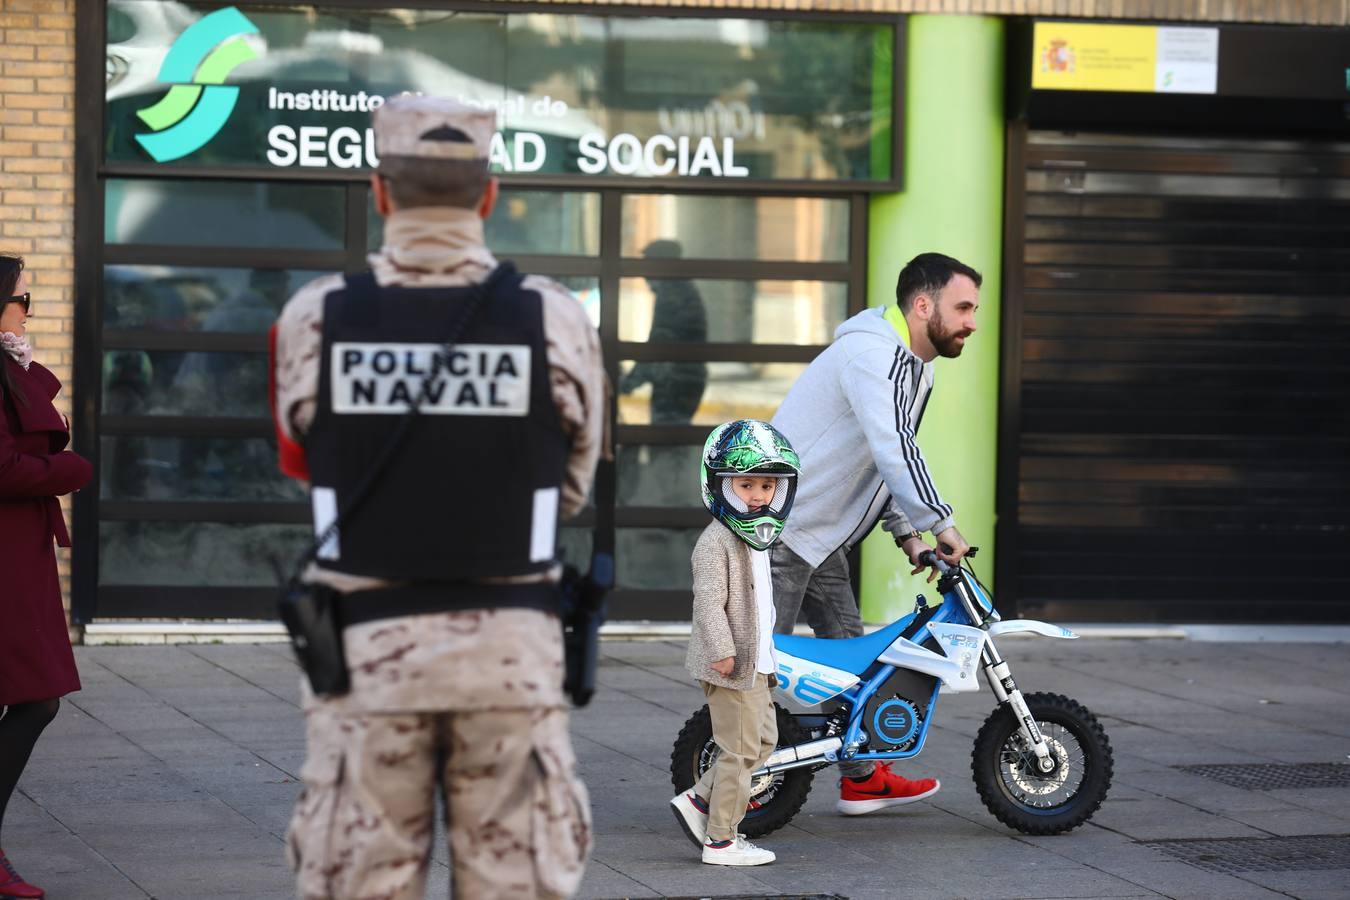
(579, 386)
(299, 343)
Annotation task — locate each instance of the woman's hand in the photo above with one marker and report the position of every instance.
(723, 667)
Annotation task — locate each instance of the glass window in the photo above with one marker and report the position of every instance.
(586, 288)
(554, 223)
(580, 94)
(136, 467)
(800, 229)
(699, 393)
(176, 298)
(574, 547)
(176, 383)
(659, 475)
(224, 214)
(198, 554)
(688, 311)
(654, 558)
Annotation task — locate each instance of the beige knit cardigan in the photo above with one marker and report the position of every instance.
(726, 620)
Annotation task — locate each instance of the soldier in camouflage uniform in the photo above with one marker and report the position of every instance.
(466, 699)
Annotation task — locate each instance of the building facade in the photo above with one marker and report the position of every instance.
(1161, 218)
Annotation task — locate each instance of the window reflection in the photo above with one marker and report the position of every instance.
(145, 467)
(574, 547)
(176, 383)
(801, 229)
(199, 554)
(734, 390)
(659, 475)
(553, 223)
(657, 310)
(223, 214)
(654, 558)
(176, 298)
(586, 288)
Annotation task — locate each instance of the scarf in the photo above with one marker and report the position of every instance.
(17, 347)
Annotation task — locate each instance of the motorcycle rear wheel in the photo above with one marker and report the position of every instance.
(774, 799)
(1017, 793)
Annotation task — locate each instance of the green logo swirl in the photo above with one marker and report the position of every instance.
(198, 104)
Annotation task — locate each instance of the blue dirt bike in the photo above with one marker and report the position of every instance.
(1042, 763)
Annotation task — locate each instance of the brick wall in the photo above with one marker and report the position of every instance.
(37, 177)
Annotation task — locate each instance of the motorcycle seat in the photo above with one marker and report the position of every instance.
(853, 655)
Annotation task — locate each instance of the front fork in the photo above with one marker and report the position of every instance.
(1005, 689)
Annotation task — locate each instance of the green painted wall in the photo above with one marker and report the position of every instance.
(952, 203)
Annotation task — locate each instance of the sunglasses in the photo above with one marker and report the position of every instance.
(26, 298)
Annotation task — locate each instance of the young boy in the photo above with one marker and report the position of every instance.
(749, 479)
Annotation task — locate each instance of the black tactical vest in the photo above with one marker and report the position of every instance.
(473, 489)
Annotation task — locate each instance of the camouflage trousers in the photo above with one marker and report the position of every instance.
(518, 817)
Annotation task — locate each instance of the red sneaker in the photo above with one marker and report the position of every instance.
(12, 885)
(884, 788)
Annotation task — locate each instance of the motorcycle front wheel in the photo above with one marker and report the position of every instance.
(1014, 789)
(774, 799)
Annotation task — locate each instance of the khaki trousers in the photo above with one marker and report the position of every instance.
(519, 818)
(745, 728)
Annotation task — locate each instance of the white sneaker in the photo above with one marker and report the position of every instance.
(692, 814)
(739, 852)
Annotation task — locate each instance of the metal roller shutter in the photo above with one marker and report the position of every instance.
(1176, 435)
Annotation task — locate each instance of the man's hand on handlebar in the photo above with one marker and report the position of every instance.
(951, 546)
(914, 547)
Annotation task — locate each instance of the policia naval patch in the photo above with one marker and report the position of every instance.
(469, 380)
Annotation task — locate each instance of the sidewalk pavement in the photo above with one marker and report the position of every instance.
(172, 774)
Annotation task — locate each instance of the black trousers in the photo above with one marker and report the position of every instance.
(20, 727)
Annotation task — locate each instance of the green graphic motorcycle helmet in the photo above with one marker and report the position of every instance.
(744, 447)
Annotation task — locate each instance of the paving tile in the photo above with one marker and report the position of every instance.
(174, 770)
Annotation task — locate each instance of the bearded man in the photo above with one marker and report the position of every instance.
(853, 417)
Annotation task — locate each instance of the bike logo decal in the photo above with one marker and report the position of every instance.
(1031, 728)
(961, 640)
(810, 686)
(895, 721)
(198, 103)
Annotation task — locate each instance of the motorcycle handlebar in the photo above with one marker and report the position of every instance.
(930, 558)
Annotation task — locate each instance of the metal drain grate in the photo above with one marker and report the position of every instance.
(1306, 853)
(1274, 777)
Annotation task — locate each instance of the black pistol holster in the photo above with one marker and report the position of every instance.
(310, 614)
(583, 612)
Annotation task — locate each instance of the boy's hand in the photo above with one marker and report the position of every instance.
(723, 667)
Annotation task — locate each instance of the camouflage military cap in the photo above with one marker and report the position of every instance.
(414, 125)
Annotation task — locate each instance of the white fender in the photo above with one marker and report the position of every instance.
(1042, 628)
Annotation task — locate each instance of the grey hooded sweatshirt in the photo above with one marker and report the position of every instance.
(852, 417)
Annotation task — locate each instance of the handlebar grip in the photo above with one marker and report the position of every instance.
(930, 558)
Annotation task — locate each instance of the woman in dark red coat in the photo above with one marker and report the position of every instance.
(37, 666)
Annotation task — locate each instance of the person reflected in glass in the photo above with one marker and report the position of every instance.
(37, 666)
(211, 469)
(678, 317)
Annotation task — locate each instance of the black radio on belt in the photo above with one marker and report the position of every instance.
(583, 612)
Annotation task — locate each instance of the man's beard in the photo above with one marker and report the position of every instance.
(947, 343)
